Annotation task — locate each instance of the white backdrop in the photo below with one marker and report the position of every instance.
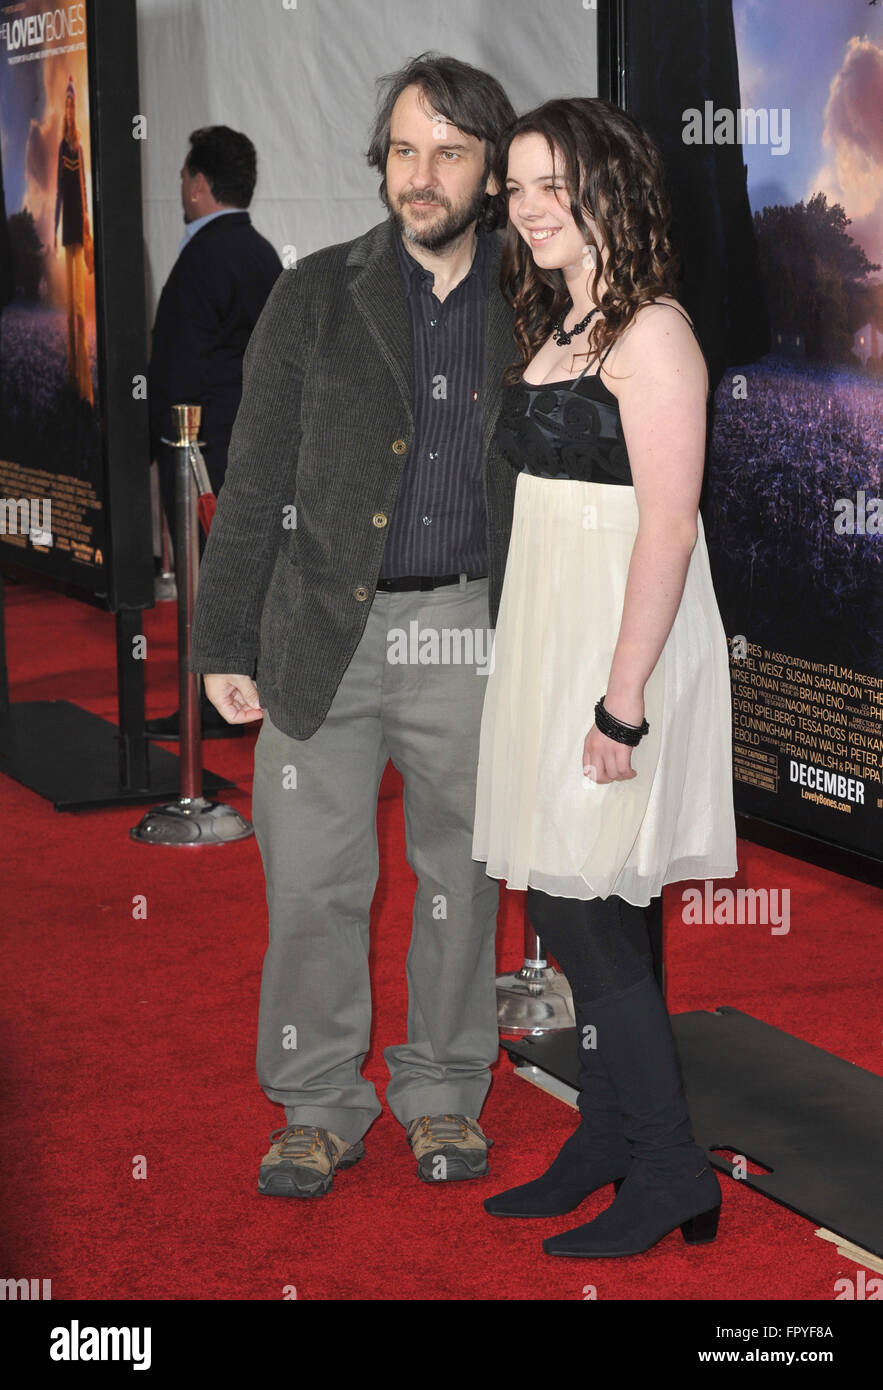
(298, 77)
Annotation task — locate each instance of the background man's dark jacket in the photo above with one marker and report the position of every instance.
(325, 426)
(206, 313)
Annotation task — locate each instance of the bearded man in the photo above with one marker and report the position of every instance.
(363, 495)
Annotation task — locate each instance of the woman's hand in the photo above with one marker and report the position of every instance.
(605, 760)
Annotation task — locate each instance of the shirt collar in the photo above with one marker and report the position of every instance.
(413, 272)
(192, 228)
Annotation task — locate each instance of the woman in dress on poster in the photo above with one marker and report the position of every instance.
(72, 207)
(605, 761)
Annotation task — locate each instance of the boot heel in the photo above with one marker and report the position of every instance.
(702, 1229)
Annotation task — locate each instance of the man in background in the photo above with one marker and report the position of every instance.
(207, 310)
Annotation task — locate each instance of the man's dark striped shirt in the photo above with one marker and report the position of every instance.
(439, 524)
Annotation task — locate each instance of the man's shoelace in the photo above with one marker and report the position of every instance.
(299, 1141)
(447, 1130)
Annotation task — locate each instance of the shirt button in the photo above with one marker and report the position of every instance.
(433, 456)
(380, 519)
(361, 593)
(433, 322)
(399, 446)
(427, 521)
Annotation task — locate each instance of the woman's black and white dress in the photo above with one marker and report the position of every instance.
(539, 821)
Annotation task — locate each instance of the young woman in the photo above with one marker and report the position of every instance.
(605, 765)
(72, 206)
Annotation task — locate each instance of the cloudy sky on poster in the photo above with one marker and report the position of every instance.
(40, 49)
(824, 63)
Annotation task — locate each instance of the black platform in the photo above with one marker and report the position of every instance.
(812, 1119)
(72, 758)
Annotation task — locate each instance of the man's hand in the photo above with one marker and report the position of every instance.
(234, 697)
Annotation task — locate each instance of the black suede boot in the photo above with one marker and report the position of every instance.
(595, 1154)
(670, 1182)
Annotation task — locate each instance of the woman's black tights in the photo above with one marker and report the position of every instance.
(601, 944)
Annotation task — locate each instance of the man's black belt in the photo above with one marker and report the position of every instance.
(422, 581)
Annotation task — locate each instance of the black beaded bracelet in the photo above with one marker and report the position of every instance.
(615, 729)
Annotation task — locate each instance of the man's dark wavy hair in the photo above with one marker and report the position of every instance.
(470, 99)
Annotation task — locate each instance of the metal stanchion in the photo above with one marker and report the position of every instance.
(537, 998)
(164, 586)
(191, 820)
(164, 582)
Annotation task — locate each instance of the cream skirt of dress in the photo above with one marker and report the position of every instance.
(539, 821)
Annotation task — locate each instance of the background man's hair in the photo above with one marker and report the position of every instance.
(470, 99)
(228, 161)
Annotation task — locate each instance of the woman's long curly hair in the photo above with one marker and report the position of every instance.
(613, 171)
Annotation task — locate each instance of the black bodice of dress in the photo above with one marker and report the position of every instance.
(565, 429)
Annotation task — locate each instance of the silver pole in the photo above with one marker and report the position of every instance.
(164, 586)
(537, 998)
(186, 419)
(191, 820)
(534, 955)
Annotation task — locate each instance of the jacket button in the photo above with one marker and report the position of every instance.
(399, 446)
(380, 519)
(361, 593)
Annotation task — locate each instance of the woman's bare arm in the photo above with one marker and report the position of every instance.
(659, 378)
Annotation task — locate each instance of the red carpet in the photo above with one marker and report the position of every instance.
(126, 1037)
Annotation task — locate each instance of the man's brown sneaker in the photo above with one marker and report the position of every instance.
(448, 1148)
(303, 1160)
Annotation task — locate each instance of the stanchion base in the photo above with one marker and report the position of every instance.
(194, 822)
(165, 590)
(534, 1001)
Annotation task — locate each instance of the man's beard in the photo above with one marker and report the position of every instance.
(452, 225)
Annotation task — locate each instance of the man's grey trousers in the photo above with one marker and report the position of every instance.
(315, 817)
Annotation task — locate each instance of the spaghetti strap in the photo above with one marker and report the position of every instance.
(603, 358)
(581, 375)
(696, 336)
(677, 308)
(680, 311)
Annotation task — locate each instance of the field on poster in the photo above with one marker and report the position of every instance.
(794, 516)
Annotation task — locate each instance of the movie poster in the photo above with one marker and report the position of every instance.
(50, 440)
(794, 516)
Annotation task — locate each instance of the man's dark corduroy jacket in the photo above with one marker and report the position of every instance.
(316, 456)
